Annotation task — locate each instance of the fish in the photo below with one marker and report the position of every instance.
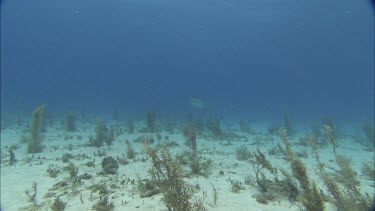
(197, 102)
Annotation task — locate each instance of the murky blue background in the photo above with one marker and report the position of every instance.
(243, 58)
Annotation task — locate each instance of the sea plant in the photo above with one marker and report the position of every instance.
(200, 166)
(245, 127)
(70, 122)
(130, 126)
(34, 144)
(236, 186)
(214, 126)
(151, 122)
(147, 188)
(259, 163)
(243, 153)
(130, 152)
(167, 173)
(53, 171)
(288, 124)
(73, 170)
(190, 134)
(103, 204)
(368, 170)
(344, 185)
(12, 157)
(111, 134)
(100, 130)
(103, 134)
(368, 130)
(58, 204)
(31, 194)
(310, 196)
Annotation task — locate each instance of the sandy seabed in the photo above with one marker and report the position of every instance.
(123, 192)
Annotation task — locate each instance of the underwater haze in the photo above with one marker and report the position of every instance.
(187, 105)
(252, 58)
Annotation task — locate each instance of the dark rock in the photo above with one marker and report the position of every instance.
(109, 165)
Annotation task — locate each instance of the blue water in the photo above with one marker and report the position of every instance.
(244, 58)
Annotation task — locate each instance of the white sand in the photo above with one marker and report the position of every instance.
(19, 177)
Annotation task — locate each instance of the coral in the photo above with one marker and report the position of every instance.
(34, 144)
(109, 165)
(70, 122)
